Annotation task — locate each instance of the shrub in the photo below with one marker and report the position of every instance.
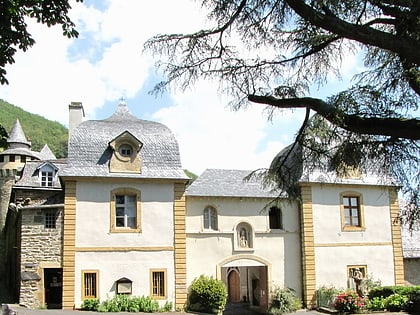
(127, 303)
(396, 302)
(90, 305)
(207, 294)
(376, 304)
(381, 292)
(348, 302)
(283, 301)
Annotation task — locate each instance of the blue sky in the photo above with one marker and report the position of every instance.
(106, 63)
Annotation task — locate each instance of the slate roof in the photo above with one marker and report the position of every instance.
(17, 136)
(89, 151)
(18, 144)
(30, 179)
(228, 183)
(46, 153)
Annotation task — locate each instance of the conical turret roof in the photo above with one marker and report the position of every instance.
(17, 138)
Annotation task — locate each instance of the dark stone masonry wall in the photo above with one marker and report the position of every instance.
(8, 241)
(41, 248)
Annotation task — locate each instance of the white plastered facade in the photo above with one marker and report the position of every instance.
(334, 246)
(216, 253)
(124, 255)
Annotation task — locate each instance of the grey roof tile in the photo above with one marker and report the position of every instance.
(17, 137)
(228, 183)
(89, 150)
(30, 175)
(46, 153)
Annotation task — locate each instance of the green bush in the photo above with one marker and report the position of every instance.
(90, 305)
(283, 301)
(126, 303)
(207, 294)
(396, 302)
(376, 304)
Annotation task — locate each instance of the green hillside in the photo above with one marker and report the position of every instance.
(38, 130)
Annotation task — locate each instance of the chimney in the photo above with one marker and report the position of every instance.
(76, 114)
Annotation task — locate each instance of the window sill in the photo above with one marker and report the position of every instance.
(353, 228)
(124, 230)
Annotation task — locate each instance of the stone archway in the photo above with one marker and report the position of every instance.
(240, 273)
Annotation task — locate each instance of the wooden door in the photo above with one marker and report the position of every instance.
(234, 294)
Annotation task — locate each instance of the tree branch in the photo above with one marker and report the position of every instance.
(393, 127)
(404, 47)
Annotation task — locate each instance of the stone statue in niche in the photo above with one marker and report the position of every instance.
(243, 238)
(357, 277)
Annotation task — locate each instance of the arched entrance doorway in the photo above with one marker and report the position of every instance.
(247, 278)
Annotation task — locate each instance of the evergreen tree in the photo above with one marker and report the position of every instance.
(272, 52)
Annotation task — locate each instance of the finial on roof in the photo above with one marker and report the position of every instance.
(122, 112)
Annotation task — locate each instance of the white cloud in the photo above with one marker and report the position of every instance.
(210, 135)
(46, 78)
(106, 62)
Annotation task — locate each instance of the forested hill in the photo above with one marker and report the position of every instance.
(38, 130)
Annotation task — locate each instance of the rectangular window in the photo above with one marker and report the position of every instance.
(352, 212)
(23, 158)
(11, 158)
(1, 158)
(158, 283)
(47, 178)
(210, 218)
(50, 220)
(90, 284)
(125, 211)
(351, 207)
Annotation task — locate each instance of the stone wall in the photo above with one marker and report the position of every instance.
(6, 236)
(41, 247)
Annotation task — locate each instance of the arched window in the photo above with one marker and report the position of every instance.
(210, 218)
(275, 218)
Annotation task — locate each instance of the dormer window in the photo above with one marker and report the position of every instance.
(125, 154)
(46, 174)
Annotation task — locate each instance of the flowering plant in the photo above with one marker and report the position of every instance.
(348, 302)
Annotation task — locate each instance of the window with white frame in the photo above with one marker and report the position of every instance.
(46, 175)
(210, 218)
(125, 210)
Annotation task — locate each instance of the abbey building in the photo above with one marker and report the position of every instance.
(119, 216)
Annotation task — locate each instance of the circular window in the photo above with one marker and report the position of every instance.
(125, 150)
